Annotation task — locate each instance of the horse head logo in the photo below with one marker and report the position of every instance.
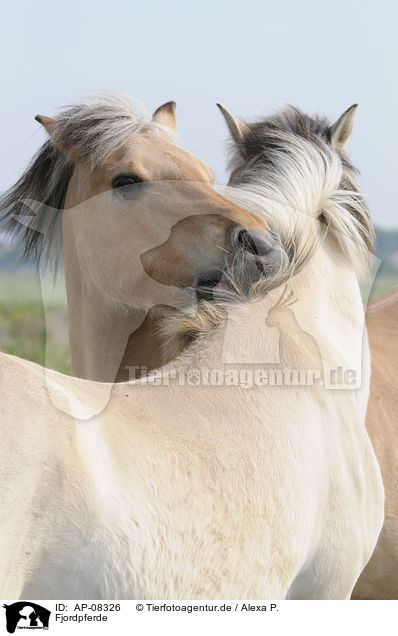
(27, 615)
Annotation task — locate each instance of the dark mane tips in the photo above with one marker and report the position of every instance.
(297, 159)
(90, 131)
(271, 131)
(37, 225)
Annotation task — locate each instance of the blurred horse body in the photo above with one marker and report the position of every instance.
(379, 580)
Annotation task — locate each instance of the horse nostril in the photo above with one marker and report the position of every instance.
(241, 238)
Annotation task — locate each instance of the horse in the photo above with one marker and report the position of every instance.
(134, 220)
(283, 318)
(379, 580)
(187, 489)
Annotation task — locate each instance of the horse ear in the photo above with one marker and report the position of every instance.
(166, 115)
(341, 130)
(236, 127)
(47, 122)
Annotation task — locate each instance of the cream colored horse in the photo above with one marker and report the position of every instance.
(135, 219)
(180, 489)
(379, 580)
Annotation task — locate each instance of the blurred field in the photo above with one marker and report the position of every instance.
(384, 281)
(28, 331)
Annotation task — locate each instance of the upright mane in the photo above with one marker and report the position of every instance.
(285, 165)
(90, 131)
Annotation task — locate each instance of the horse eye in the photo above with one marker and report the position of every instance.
(125, 180)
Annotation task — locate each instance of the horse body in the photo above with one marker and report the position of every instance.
(188, 491)
(379, 580)
(211, 491)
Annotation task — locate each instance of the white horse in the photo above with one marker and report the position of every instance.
(180, 489)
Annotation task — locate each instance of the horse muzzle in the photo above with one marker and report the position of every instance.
(254, 255)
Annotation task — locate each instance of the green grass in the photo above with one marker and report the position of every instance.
(383, 283)
(385, 279)
(26, 330)
(29, 332)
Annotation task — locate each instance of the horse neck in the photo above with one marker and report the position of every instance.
(329, 308)
(328, 295)
(99, 328)
(285, 318)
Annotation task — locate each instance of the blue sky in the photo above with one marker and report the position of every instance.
(251, 55)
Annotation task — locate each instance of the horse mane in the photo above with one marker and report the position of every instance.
(179, 331)
(31, 211)
(285, 166)
(91, 131)
(285, 170)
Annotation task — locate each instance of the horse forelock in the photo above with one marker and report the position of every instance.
(285, 169)
(93, 130)
(89, 132)
(287, 164)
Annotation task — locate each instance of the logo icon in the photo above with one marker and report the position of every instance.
(26, 615)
